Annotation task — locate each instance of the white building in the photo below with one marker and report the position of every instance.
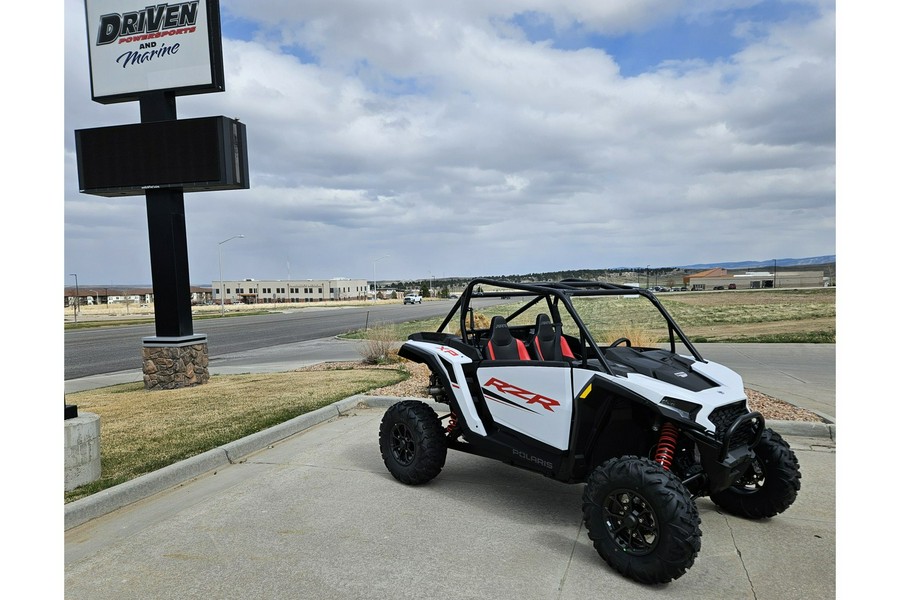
(255, 291)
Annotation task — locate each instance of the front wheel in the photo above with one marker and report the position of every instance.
(412, 441)
(641, 519)
(770, 484)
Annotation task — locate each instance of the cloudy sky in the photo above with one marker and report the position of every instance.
(488, 138)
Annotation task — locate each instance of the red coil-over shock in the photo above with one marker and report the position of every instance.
(665, 448)
(451, 423)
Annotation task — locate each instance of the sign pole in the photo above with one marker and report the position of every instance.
(168, 238)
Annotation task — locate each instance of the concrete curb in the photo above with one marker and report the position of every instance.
(804, 429)
(114, 498)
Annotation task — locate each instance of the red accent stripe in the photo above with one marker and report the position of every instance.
(523, 352)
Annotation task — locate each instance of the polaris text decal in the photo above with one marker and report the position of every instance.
(540, 461)
(514, 390)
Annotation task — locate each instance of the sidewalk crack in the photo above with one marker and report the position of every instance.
(562, 581)
(739, 554)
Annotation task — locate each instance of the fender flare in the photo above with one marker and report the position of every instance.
(445, 370)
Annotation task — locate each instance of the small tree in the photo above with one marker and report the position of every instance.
(424, 291)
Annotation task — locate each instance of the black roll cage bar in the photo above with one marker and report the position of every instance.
(554, 293)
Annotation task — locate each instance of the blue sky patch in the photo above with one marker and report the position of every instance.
(708, 38)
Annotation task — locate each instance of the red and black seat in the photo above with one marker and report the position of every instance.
(548, 343)
(501, 344)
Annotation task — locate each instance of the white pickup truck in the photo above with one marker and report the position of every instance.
(412, 299)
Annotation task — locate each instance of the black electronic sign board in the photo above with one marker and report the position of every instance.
(197, 155)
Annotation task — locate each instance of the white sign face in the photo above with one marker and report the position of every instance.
(136, 46)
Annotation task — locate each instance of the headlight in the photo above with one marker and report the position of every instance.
(687, 410)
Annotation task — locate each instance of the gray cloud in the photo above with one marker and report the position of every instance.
(439, 135)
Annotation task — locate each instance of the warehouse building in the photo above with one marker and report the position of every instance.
(255, 291)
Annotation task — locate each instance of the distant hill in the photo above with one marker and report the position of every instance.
(758, 264)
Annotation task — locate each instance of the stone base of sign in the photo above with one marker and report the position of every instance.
(171, 363)
(82, 448)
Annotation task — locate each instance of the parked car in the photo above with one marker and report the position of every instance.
(732, 286)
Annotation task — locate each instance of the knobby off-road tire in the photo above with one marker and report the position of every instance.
(412, 441)
(769, 486)
(641, 519)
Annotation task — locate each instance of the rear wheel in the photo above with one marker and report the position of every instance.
(641, 520)
(412, 441)
(770, 484)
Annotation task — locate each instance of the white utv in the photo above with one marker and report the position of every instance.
(646, 429)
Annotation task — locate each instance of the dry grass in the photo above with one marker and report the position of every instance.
(147, 430)
(638, 336)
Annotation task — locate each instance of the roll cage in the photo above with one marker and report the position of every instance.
(554, 294)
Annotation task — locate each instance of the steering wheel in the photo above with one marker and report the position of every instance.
(619, 341)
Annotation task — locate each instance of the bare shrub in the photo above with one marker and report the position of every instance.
(482, 321)
(380, 345)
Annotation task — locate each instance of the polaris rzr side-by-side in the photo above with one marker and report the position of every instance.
(595, 384)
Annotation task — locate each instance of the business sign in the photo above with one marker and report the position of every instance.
(136, 47)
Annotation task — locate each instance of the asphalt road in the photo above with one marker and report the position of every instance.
(109, 350)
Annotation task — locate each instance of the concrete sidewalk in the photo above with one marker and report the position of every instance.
(318, 516)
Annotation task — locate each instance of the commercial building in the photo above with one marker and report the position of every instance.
(750, 280)
(254, 291)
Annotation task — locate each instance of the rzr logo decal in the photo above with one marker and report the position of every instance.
(447, 350)
(513, 390)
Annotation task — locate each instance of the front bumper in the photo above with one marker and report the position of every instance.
(726, 456)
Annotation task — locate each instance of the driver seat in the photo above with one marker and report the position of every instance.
(502, 345)
(549, 344)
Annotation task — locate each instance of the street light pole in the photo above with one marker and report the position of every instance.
(375, 279)
(77, 294)
(221, 282)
